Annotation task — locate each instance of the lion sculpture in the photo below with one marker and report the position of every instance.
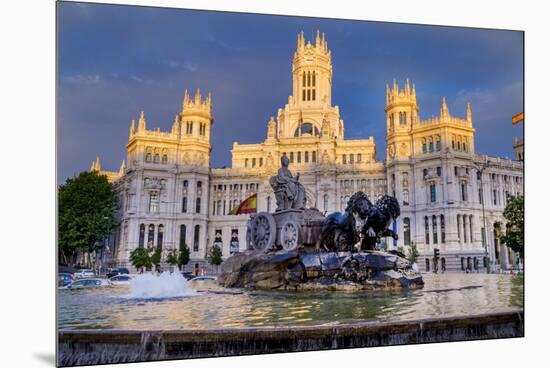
(362, 222)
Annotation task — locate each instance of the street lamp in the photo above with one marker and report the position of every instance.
(481, 168)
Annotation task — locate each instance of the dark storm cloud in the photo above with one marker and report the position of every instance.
(115, 61)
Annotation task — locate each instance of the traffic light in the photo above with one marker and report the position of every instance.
(436, 253)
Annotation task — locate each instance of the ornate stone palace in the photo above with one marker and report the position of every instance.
(169, 195)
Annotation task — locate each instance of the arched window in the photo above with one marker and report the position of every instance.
(434, 228)
(313, 80)
(198, 205)
(424, 147)
(351, 158)
(438, 143)
(156, 159)
(431, 144)
(183, 230)
(151, 236)
(141, 235)
(325, 202)
(219, 208)
(308, 79)
(313, 156)
(304, 80)
(164, 159)
(344, 159)
(148, 157)
(425, 173)
(196, 238)
(407, 231)
(359, 157)
(184, 205)
(291, 157)
(442, 225)
(427, 229)
(160, 235)
(405, 197)
(299, 156)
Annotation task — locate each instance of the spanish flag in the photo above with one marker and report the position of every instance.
(518, 118)
(248, 205)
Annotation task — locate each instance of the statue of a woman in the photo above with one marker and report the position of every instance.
(289, 193)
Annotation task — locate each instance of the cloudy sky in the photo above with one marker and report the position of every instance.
(114, 61)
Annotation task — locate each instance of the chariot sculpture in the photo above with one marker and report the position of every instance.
(361, 225)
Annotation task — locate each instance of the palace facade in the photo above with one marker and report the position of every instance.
(170, 196)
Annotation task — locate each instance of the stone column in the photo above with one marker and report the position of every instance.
(459, 228)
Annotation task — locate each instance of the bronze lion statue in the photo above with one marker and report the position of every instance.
(361, 222)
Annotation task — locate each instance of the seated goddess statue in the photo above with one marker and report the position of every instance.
(289, 193)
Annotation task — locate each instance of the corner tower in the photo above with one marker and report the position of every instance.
(401, 116)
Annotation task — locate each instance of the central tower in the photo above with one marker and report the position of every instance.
(312, 72)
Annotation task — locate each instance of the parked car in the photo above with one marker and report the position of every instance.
(117, 271)
(120, 279)
(64, 279)
(89, 283)
(203, 278)
(85, 272)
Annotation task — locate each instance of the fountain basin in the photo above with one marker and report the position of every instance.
(120, 346)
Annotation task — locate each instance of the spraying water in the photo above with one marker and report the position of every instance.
(165, 285)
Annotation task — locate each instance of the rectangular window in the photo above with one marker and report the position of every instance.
(291, 157)
(434, 228)
(153, 202)
(463, 192)
(432, 193)
(299, 157)
(313, 94)
(184, 205)
(480, 195)
(427, 229)
(306, 156)
(196, 238)
(313, 156)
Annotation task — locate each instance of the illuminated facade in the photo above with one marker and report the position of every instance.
(170, 195)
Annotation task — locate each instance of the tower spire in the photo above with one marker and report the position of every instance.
(141, 123)
(132, 128)
(468, 113)
(444, 108)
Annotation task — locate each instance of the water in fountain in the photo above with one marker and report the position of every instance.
(165, 285)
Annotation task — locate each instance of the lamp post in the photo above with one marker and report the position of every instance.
(481, 168)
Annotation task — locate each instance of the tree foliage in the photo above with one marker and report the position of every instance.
(156, 257)
(184, 255)
(140, 257)
(172, 257)
(413, 253)
(215, 255)
(87, 208)
(514, 215)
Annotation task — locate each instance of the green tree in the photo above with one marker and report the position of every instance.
(156, 257)
(140, 257)
(514, 215)
(184, 255)
(413, 253)
(172, 257)
(215, 255)
(87, 208)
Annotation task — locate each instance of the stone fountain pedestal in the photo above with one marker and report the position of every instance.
(301, 270)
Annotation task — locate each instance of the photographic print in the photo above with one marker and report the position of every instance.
(237, 184)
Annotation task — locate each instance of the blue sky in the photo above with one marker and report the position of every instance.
(114, 61)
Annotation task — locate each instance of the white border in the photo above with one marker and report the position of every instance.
(28, 180)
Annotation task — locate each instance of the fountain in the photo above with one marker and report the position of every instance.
(162, 286)
(299, 249)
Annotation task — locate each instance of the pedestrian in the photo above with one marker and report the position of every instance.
(197, 269)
